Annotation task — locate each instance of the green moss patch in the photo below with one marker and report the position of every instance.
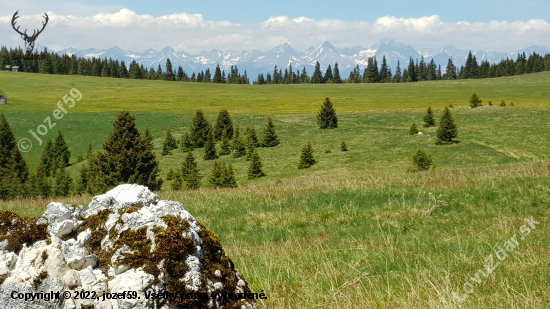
(20, 230)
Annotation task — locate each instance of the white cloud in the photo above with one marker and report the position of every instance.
(193, 33)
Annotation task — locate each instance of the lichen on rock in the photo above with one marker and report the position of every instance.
(127, 240)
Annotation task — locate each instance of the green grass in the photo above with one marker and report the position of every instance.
(348, 232)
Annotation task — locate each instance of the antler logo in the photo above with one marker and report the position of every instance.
(29, 40)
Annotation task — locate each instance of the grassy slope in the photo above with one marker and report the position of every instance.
(309, 240)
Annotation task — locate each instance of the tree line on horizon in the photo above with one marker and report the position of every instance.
(52, 63)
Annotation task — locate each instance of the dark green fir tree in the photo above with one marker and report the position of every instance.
(255, 167)
(210, 152)
(306, 157)
(447, 131)
(326, 118)
(429, 120)
(190, 172)
(270, 138)
(224, 126)
(413, 130)
(200, 129)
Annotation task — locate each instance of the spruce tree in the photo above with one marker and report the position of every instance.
(239, 149)
(127, 157)
(90, 152)
(255, 167)
(225, 146)
(63, 183)
(169, 143)
(60, 152)
(216, 175)
(200, 129)
(250, 148)
(47, 160)
(170, 174)
(190, 172)
(343, 146)
(210, 152)
(186, 142)
(176, 183)
(270, 138)
(336, 74)
(422, 161)
(146, 135)
(228, 176)
(429, 120)
(475, 101)
(326, 119)
(447, 131)
(317, 77)
(13, 168)
(251, 137)
(306, 157)
(413, 130)
(223, 124)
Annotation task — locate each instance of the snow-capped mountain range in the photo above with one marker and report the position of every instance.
(256, 61)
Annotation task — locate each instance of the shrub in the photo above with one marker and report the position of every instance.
(502, 103)
(306, 157)
(490, 103)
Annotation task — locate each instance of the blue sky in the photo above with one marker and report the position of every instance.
(193, 26)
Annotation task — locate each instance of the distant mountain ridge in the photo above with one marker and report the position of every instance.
(257, 61)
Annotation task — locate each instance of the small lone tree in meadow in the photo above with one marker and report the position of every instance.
(502, 103)
(224, 126)
(422, 161)
(343, 146)
(190, 172)
(200, 129)
(511, 103)
(210, 147)
(326, 118)
(228, 179)
(306, 157)
(429, 120)
(413, 130)
(475, 101)
(270, 138)
(490, 103)
(447, 131)
(255, 167)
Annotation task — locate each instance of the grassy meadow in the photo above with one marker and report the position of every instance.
(349, 232)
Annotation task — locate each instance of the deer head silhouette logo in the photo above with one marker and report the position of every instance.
(29, 40)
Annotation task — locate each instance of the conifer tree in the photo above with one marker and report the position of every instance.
(216, 175)
(225, 146)
(228, 176)
(422, 161)
(250, 148)
(210, 147)
(200, 129)
(42, 185)
(186, 143)
(239, 149)
(328, 76)
(317, 77)
(429, 120)
(147, 136)
(90, 151)
(447, 131)
(217, 75)
(306, 157)
(336, 74)
(223, 124)
(251, 137)
(343, 146)
(326, 118)
(127, 157)
(11, 160)
(47, 160)
(502, 103)
(190, 172)
(255, 167)
(397, 76)
(177, 183)
(270, 138)
(170, 174)
(63, 183)
(60, 152)
(413, 130)
(474, 101)
(169, 143)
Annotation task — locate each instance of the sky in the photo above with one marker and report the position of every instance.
(194, 26)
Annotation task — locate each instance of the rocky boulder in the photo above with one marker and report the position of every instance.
(129, 249)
